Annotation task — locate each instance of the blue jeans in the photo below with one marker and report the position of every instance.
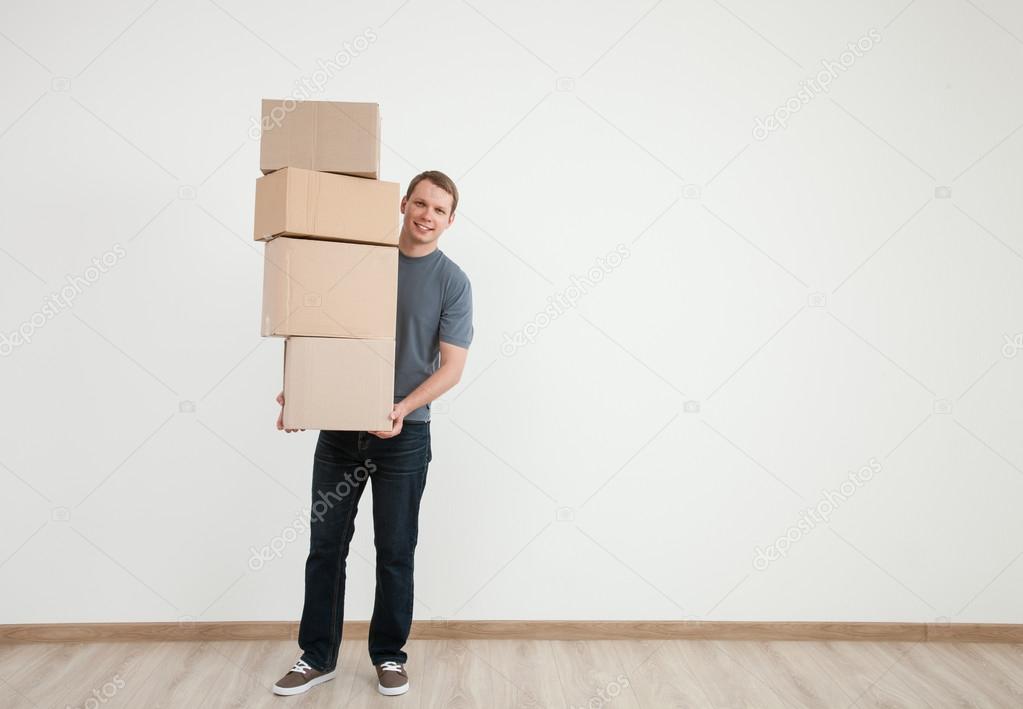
(396, 468)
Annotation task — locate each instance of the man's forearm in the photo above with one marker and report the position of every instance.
(435, 385)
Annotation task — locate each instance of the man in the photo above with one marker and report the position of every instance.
(434, 330)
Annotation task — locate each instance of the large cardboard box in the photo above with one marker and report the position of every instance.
(329, 136)
(320, 205)
(329, 289)
(338, 384)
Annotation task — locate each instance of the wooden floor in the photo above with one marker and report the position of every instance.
(524, 673)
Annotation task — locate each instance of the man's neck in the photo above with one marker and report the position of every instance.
(413, 250)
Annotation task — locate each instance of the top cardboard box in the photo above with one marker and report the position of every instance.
(327, 136)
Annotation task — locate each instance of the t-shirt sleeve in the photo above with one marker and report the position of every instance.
(456, 313)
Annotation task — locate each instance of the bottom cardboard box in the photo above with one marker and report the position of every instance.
(338, 383)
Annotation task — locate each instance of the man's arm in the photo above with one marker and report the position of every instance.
(452, 363)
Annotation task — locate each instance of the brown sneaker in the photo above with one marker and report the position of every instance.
(301, 678)
(392, 678)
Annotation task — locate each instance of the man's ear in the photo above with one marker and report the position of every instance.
(451, 219)
(404, 200)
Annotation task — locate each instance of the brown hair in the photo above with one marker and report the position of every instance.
(441, 180)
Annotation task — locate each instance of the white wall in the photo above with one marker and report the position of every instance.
(812, 294)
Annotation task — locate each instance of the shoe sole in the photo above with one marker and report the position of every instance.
(289, 691)
(392, 691)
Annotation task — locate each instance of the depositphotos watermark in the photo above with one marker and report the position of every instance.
(606, 694)
(313, 83)
(275, 548)
(58, 302)
(565, 300)
(1013, 345)
(819, 513)
(816, 85)
(100, 696)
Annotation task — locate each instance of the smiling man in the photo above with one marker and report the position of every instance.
(434, 330)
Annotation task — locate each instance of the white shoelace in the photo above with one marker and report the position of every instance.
(301, 667)
(391, 665)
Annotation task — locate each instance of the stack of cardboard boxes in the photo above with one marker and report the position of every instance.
(330, 278)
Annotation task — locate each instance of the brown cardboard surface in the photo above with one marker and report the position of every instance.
(329, 136)
(338, 384)
(329, 289)
(321, 205)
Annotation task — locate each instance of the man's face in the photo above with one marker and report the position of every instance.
(427, 213)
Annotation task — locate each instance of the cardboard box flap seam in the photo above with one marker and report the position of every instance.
(287, 276)
(316, 138)
(386, 390)
(312, 199)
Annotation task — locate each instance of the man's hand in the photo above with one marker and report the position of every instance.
(280, 417)
(397, 419)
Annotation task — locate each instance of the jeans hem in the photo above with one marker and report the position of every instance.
(318, 669)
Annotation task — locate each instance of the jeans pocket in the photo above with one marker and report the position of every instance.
(406, 453)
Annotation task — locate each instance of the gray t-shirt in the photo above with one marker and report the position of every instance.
(434, 304)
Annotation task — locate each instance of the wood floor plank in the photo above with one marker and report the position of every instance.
(852, 673)
(591, 670)
(968, 661)
(861, 670)
(460, 678)
(103, 671)
(68, 674)
(726, 679)
(22, 667)
(899, 677)
(182, 674)
(13, 699)
(660, 675)
(1005, 661)
(13, 658)
(251, 668)
(778, 663)
(528, 667)
(940, 684)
